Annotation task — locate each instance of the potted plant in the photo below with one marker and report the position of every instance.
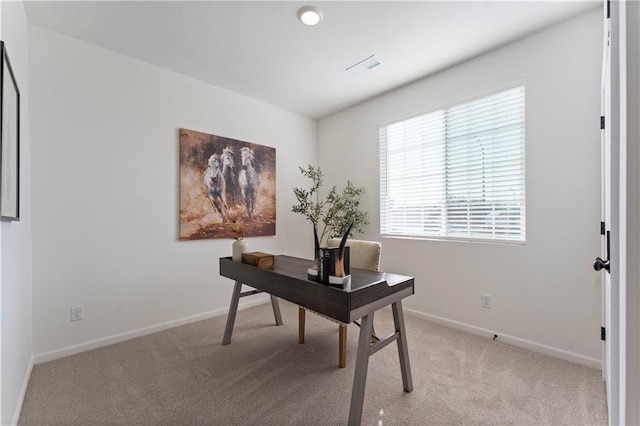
(337, 215)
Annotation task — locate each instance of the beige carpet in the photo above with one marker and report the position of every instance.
(185, 376)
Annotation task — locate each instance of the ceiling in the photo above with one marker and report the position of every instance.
(259, 48)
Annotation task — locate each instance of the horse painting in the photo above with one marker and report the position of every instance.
(227, 187)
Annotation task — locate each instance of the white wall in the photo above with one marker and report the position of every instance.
(545, 293)
(15, 237)
(105, 191)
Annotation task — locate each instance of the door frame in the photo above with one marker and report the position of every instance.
(623, 376)
(629, 406)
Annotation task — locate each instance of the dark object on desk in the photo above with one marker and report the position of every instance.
(330, 257)
(259, 259)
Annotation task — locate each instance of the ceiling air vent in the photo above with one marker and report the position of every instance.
(364, 65)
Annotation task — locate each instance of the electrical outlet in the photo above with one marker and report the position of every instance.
(76, 313)
(485, 301)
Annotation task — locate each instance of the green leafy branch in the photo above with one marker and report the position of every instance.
(336, 212)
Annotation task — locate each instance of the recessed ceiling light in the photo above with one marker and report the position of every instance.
(310, 15)
(364, 65)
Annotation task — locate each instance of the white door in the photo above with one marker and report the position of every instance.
(605, 179)
(609, 260)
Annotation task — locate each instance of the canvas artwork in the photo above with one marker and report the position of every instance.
(227, 187)
(9, 140)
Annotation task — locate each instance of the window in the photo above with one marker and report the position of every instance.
(456, 173)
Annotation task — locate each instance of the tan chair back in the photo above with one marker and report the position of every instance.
(362, 254)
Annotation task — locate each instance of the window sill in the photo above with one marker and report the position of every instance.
(456, 239)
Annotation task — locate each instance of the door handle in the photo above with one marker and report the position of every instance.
(599, 264)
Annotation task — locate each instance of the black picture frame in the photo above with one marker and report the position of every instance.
(9, 139)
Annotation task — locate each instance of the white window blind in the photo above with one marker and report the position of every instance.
(457, 173)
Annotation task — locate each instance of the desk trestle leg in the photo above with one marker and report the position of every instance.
(403, 352)
(366, 349)
(276, 309)
(360, 375)
(231, 318)
(233, 309)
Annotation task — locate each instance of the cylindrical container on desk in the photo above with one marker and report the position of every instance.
(237, 248)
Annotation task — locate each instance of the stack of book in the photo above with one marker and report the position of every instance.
(259, 259)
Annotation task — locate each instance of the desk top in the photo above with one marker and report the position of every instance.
(288, 280)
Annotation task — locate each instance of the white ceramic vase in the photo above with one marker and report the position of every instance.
(237, 248)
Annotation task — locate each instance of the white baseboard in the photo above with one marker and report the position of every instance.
(511, 340)
(128, 335)
(121, 337)
(23, 392)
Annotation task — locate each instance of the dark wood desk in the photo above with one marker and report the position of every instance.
(368, 292)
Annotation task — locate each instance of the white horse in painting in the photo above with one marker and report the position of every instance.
(230, 175)
(248, 180)
(215, 184)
